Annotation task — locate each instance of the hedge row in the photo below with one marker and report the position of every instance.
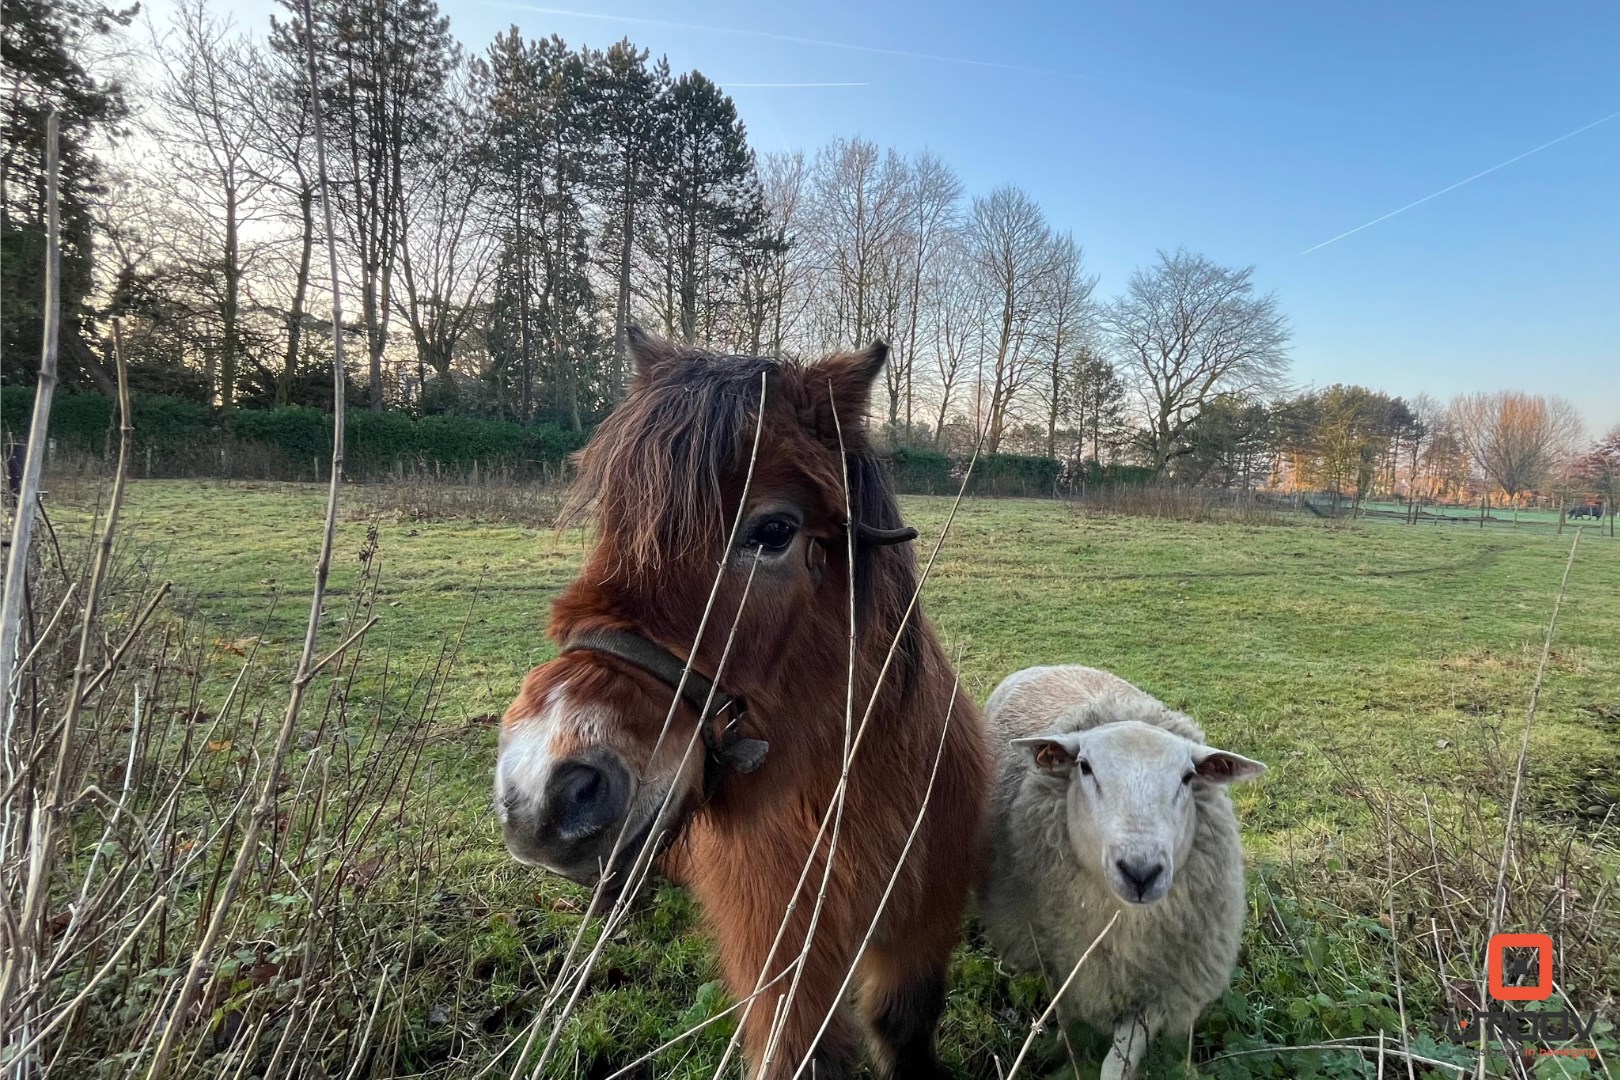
(88, 422)
(179, 431)
(928, 472)
(174, 428)
(378, 441)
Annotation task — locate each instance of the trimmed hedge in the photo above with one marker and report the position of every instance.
(375, 442)
(1093, 472)
(89, 422)
(182, 431)
(921, 472)
(1014, 474)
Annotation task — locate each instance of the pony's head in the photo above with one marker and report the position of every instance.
(598, 753)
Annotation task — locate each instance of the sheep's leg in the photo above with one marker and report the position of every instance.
(1131, 1036)
(903, 995)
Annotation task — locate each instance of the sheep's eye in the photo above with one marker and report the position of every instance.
(773, 535)
(1085, 767)
(1190, 777)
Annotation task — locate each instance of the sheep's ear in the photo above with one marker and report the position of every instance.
(1221, 767)
(841, 386)
(1051, 754)
(650, 353)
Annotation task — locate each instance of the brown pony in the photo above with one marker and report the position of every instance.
(591, 768)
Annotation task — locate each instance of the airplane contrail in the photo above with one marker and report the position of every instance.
(787, 85)
(1460, 183)
(798, 40)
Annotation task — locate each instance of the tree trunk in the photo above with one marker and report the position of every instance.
(621, 337)
(295, 314)
(233, 291)
(526, 376)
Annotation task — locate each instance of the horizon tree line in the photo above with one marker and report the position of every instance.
(505, 214)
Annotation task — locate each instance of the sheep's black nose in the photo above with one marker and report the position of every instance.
(1141, 875)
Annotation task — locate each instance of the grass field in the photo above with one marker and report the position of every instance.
(1372, 666)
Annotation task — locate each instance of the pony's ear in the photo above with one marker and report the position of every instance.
(650, 353)
(843, 382)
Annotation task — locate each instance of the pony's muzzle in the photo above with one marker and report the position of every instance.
(570, 824)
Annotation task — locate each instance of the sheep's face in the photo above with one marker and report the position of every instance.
(1130, 791)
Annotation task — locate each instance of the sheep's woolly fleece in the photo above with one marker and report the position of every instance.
(1042, 910)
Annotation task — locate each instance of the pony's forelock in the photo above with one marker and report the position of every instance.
(652, 474)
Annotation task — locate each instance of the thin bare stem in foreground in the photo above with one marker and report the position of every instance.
(1040, 1021)
(1524, 742)
(1499, 908)
(642, 863)
(42, 853)
(1395, 962)
(827, 815)
(841, 796)
(262, 810)
(1345, 1048)
(22, 526)
(888, 890)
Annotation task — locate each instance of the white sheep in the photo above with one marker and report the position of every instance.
(1107, 800)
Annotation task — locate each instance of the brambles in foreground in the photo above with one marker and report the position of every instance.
(1340, 656)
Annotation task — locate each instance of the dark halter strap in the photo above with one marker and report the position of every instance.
(719, 714)
(867, 536)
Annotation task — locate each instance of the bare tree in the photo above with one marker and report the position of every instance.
(447, 255)
(384, 66)
(1599, 470)
(1190, 329)
(859, 196)
(958, 321)
(1514, 438)
(934, 196)
(1065, 326)
(208, 127)
(1412, 440)
(785, 182)
(284, 122)
(1012, 252)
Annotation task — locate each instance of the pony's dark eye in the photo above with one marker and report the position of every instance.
(772, 535)
(1190, 777)
(1085, 767)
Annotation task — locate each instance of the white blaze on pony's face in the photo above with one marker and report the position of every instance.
(572, 795)
(1130, 790)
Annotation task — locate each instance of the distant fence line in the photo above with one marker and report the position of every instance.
(175, 437)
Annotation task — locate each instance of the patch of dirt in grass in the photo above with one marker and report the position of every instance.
(1584, 790)
(1491, 662)
(1603, 717)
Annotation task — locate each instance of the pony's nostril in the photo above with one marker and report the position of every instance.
(582, 801)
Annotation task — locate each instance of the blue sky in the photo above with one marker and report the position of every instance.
(1249, 132)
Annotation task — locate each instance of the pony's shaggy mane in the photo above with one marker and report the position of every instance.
(651, 475)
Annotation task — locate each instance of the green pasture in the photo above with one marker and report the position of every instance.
(1350, 658)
